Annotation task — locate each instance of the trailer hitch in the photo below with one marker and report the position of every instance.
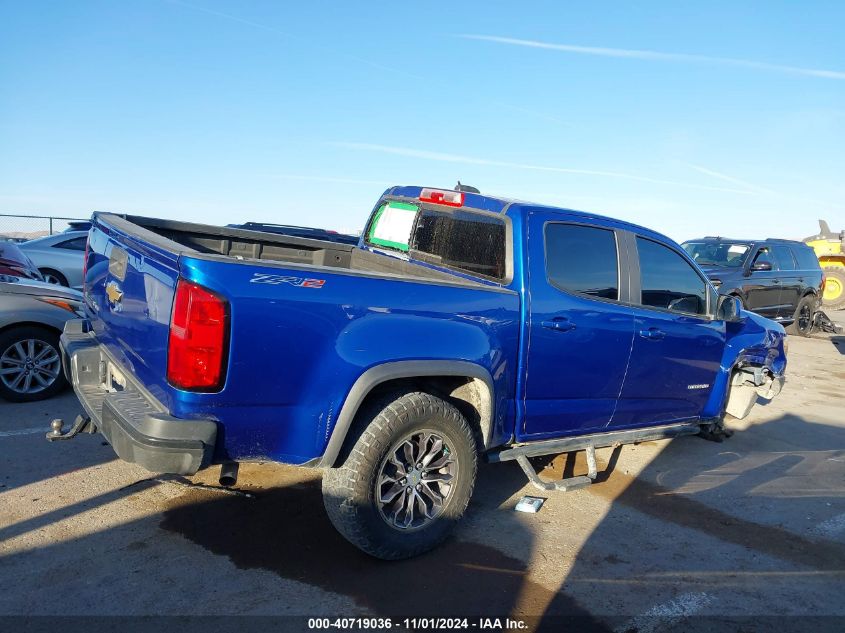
(82, 424)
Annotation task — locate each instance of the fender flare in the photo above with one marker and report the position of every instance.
(379, 374)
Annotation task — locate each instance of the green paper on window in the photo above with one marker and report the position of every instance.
(392, 225)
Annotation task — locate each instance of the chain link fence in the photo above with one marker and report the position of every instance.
(20, 228)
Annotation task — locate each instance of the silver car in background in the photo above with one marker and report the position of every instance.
(32, 316)
(58, 257)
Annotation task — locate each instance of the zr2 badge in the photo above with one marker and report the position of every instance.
(275, 280)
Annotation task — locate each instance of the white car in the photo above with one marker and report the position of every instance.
(59, 257)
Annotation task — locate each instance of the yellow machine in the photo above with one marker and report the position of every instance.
(830, 249)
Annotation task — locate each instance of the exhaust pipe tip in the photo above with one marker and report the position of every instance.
(228, 474)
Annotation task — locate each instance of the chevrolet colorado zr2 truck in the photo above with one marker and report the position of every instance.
(460, 327)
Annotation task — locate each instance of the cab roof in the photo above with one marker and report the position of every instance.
(498, 204)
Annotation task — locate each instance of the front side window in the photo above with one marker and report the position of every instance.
(668, 281)
(583, 260)
(765, 255)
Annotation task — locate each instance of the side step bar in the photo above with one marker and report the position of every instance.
(588, 443)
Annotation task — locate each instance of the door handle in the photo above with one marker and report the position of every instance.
(775, 281)
(653, 334)
(561, 324)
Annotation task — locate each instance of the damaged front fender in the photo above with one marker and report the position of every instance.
(753, 364)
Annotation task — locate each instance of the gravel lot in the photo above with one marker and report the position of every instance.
(754, 526)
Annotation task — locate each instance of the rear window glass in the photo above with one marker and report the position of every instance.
(76, 244)
(582, 259)
(392, 224)
(464, 240)
(468, 241)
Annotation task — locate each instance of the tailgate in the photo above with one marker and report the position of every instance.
(130, 284)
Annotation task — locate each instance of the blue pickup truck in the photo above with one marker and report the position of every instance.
(460, 327)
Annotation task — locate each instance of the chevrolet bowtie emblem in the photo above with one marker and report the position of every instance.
(114, 293)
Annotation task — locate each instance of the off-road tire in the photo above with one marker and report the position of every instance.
(795, 327)
(349, 489)
(21, 333)
(838, 274)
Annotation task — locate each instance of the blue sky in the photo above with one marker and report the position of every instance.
(689, 117)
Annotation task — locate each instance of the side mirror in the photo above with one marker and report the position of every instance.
(762, 265)
(729, 308)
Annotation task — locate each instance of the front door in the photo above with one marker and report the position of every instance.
(579, 334)
(762, 287)
(677, 347)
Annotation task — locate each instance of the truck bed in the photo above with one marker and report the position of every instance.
(189, 237)
(294, 350)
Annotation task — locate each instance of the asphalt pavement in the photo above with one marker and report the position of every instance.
(672, 533)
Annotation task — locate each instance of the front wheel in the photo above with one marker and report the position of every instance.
(406, 480)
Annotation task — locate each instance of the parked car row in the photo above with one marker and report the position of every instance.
(32, 316)
(13, 261)
(59, 257)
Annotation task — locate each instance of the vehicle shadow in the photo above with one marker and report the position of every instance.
(669, 535)
(746, 528)
(461, 578)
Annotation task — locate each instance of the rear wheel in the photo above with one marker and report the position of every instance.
(804, 313)
(406, 480)
(834, 288)
(30, 364)
(53, 276)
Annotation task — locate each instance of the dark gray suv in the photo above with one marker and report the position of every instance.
(778, 279)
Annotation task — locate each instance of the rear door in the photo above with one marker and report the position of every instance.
(790, 281)
(677, 347)
(579, 331)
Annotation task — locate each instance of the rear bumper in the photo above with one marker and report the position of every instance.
(136, 425)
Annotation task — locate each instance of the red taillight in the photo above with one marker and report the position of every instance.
(199, 332)
(443, 196)
(824, 283)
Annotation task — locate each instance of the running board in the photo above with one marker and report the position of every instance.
(563, 485)
(588, 443)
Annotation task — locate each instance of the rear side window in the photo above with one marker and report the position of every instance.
(76, 244)
(471, 242)
(583, 260)
(783, 257)
(668, 281)
(806, 258)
